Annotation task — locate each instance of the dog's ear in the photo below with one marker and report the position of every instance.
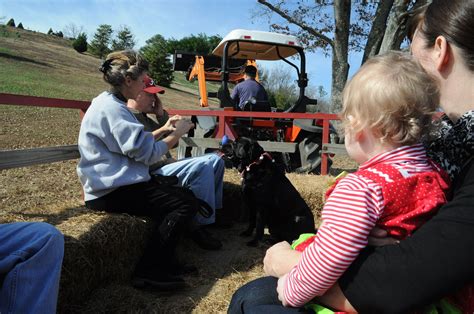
(228, 149)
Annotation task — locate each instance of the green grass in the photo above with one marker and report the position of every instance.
(180, 79)
(36, 80)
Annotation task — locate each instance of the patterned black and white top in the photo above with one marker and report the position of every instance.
(454, 144)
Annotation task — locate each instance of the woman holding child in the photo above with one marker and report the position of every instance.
(435, 260)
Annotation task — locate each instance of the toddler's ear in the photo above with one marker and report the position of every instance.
(360, 135)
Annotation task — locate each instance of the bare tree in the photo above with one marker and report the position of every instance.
(377, 26)
(72, 30)
(280, 86)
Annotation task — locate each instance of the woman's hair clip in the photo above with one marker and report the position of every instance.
(105, 66)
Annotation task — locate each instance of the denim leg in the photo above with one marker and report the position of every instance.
(31, 256)
(218, 165)
(261, 291)
(198, 175)
(260, 297)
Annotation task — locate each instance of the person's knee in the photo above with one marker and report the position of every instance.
(54, 236)
(261, 291)
(47, 237)
(218, 163)
(237, 301)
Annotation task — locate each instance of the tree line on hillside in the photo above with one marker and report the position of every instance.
(337, 27)
(11, 23)
(156, 51)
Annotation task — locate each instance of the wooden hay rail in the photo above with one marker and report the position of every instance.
(27, 157)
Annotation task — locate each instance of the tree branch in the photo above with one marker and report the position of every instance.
(302, 25)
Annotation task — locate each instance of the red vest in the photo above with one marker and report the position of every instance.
(409, 201)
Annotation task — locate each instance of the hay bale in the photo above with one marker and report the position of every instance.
(100, 248)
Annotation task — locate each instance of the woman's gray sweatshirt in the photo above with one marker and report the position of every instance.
(115, 149)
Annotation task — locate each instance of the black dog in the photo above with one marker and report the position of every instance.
(271, 198)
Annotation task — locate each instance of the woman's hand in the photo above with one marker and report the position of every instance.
(281, 289)
(170, 125)
(280, 259)
(379, 237)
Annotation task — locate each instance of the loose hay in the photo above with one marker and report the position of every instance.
(102, 249)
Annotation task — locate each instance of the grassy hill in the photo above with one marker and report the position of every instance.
(37, 64)
(42, 65)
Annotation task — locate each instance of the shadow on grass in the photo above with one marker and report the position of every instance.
(22, 59)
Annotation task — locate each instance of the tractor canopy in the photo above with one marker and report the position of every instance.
(258, 45)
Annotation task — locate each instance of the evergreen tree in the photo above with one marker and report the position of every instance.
(50, 32)
(101, 41)
(59, 34)
(155, 52)
(80, 43)
(201, 44)
(124, 40)
(11, 23)
(20, 26)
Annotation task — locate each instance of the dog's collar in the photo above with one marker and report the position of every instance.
(257, 162)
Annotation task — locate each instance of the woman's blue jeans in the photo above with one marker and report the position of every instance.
(260, 297)
(204, 176)
(31, 256)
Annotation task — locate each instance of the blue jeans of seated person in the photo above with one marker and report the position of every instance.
(204, 176)
(260, 297)
(31, 256)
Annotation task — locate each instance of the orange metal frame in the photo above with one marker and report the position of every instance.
(198, 71)
(225, 117)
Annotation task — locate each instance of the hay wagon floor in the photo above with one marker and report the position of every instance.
(102, 248)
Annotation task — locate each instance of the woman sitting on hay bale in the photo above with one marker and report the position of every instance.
(116, 153)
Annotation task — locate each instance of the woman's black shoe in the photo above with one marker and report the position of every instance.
(205, 240)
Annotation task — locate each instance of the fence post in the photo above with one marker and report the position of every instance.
(325, 140)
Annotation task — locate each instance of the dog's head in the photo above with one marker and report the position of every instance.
(242, 152)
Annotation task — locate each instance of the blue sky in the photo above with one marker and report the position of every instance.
(172, 18)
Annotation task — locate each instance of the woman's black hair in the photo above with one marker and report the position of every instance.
(453, 19)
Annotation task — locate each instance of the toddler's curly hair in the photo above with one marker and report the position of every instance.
(394, 97)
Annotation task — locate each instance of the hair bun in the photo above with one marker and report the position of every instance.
(105, 66)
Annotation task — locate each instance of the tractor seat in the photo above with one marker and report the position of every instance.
(259, 106)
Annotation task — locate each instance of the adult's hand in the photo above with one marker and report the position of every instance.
(158, 107)
(280, 259)
(379, 237)
(182, 126)
(170, 125)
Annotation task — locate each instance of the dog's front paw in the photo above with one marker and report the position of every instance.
(246, 233)
(253, 243)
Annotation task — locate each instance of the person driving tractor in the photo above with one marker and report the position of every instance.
(249, 88)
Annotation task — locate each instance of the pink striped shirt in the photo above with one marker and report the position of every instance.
(350, 213)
